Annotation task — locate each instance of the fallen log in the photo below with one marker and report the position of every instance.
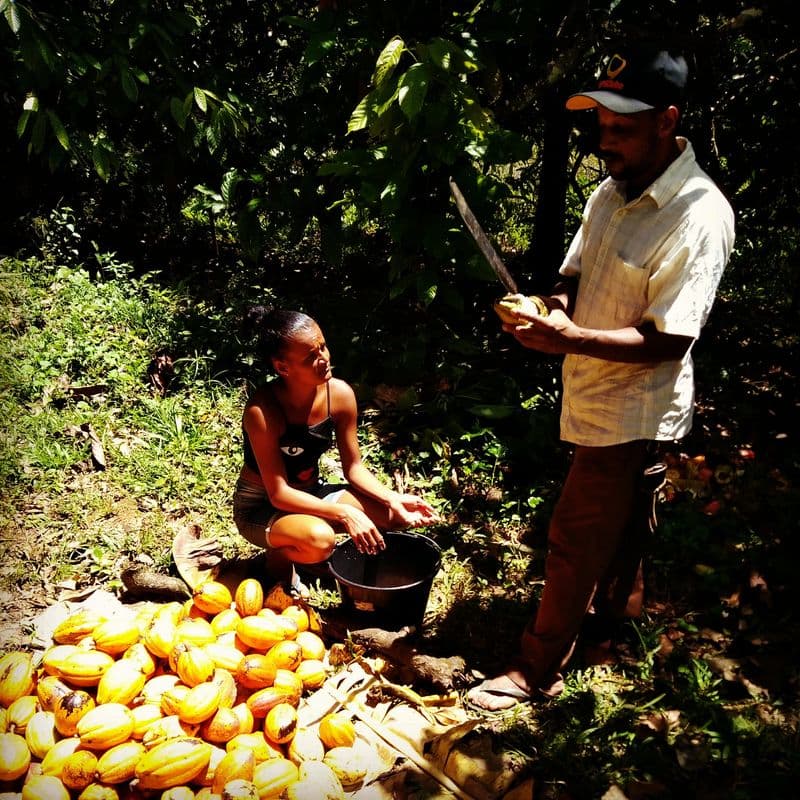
(402, 649)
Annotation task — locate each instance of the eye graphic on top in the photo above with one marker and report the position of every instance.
(292, 450)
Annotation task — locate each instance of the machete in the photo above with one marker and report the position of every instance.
(485, 246)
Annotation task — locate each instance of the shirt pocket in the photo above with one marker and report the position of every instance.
(629, 292)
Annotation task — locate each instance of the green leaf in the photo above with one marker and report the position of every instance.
(387, 60)
(58, 129)
(141, 76)
(11, 15)
(360, 116)
(129, 85)
(200, 99)
(488, 411)
(101, 161)
(31, 103)
(22, 123)
(178, 110)
(230, 181)
(318, 45)
(412, 90)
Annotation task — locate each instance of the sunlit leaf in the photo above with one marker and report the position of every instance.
(22, 123)
(58, 129)
(200, 99)
(412, 90)
(31, 103)
(12, 15)
(230, 181)
(101, 161)
(387, 60)
(360, 116)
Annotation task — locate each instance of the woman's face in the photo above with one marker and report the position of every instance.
(305, 357)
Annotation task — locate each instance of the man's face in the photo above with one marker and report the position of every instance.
(631, 145)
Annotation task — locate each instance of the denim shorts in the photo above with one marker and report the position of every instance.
(254, 515)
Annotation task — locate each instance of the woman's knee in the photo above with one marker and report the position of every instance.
(309, 538)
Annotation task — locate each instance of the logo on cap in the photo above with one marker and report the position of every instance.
(615, 66)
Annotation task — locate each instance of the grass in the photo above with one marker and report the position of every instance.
(706, 691)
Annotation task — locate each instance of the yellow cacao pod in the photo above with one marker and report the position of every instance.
(178, 793)
(118, 764)
(225, 656)
(49, 689)
(40, 733)
(155, 686)
(262, 700)
(174, 763)
(286, 655)
(78, 770)
(271, 778)
(221, 727)
(298, 615)
(312, 673)
(172, 612)
(195, 631)
(20, 712)
(206, 777)
(509, 307)
(144, 716)
(239, 789)
(53, 762)
(44, 787)
(77, 626)
(54, 657)
(228, 690)
(121, 682)
(115, 635)
(305, 746)
(249, 597)
(256, 671)
(195, 665)
(159, 636)
(290, 629)
(290, 683)
(260, 632)
(226, 620)
(347, 764)
(166, 728)
(69, 710)
(245, 717)
(237, 764)
(200, 703)
(105, 726)
(17, 677)
(85, 667)
(171, 699)
(231, 639)
(280, 723)
(141, 656)
(337, 730)
(257, 743)
(316, 781)
(212, 597)
(99, 791)
(311, 644)
(15, 757)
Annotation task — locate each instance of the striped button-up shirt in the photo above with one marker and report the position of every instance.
(659, 259)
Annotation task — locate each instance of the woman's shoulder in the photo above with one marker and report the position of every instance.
(341, 394)
(262, 400)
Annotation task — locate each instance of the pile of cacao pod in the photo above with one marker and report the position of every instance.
(181, 701)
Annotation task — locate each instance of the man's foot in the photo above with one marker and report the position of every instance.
(497, 694)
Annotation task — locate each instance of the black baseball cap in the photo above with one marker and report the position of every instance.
(637, 79)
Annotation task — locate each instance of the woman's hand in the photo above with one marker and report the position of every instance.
(361, 529)
(410, 511)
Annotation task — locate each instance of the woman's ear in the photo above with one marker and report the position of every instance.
(280, 366)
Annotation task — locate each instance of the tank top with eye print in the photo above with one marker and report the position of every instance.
(301, 448)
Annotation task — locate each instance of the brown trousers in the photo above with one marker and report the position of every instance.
(596, 540)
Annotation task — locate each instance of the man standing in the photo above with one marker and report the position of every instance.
(638, 283)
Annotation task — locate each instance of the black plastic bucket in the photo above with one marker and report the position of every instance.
(389, 590)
